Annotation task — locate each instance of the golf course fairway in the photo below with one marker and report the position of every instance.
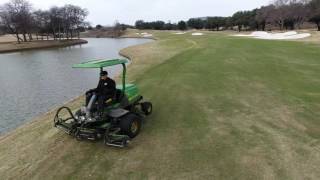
(224, 108)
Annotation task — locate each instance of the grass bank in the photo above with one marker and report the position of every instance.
(128, 33)
(224, 108)
(6, 47)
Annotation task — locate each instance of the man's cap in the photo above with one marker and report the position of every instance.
(103, 73)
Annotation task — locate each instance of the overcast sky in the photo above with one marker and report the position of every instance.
(105, 12)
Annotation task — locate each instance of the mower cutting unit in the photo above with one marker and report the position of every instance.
(120, 120)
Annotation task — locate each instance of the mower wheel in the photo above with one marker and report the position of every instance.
(77, 135)
(78, 113)
(130, 125)
(146, 107)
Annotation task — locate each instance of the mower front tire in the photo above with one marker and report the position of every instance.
(146, 108)
(130, 125)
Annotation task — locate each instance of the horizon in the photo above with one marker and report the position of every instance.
(128, 12)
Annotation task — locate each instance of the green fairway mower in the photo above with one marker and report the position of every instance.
(120, 120)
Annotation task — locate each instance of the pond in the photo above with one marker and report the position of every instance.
(33, 82)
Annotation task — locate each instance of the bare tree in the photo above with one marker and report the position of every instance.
(73, 17)
(42, 19)
(6, 21)
(77, 19)
(300, 13)
(2, 28)
(289, 13)
(56, 20)
(20, 11)
(264, 16)
(17, 17)
(315, 12)
(278, 15)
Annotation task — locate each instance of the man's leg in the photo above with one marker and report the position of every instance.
(89, 94)
(91, 103)
(101, 100)
(88, 97)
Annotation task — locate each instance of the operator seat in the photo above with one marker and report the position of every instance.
(121, 98)
(118, 95)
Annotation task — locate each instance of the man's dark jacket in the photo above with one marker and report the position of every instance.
(106, 87)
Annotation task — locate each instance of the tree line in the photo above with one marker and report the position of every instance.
(19, 18)
(283, 14)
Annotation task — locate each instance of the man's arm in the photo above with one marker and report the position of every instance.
(112, 84)
(100, 87)
(97, 89)
(110, 88)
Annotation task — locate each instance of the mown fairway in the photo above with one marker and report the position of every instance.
(224, 108)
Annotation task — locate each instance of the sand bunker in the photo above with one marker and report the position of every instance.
(197, 34)
(275, 36)
(144, 34)
(178, 33)
(147, 35)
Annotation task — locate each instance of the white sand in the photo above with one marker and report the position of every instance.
(290, 33)
(259, 33)
(299, 36)
(147, 35)
(178, 33)
(275, 36)
(197, 34)
(144, 34)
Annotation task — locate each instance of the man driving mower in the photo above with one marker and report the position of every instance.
(112, 113)
(105, 91)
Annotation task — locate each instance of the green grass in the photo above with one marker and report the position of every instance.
(239, 108)
(224, 108)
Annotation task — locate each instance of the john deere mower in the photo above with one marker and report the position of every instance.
(120, 120)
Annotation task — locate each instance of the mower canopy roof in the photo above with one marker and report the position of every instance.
(101, 63)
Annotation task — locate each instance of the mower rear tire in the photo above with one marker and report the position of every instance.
(130, 125)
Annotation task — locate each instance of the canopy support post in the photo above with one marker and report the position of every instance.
(124, 77)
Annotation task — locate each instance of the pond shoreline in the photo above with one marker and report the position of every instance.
(8, 47)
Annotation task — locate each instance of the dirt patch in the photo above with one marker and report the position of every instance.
(14, 46)
(7, 38)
